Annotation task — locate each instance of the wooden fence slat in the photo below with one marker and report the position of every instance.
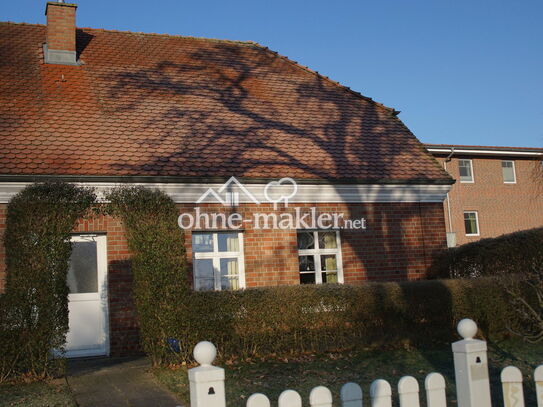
(351, 395)
(435, 390)
(538, 378)
(381, 394)
(258, 400)
(513, 395)
(408, 390)
(320, 396)
(290, 398)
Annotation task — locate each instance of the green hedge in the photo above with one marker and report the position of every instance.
(34, 309)
(158, 264)
(513, 253)
(296, 319)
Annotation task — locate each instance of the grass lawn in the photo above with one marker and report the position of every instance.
(333, 370)
(40, 394)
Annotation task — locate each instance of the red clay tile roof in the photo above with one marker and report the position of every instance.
(158, 105)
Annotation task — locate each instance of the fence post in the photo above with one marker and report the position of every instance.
(320, 396)
(258, 400)
(435, 390)
(513, 395)
(408, 390)
(206, 381)
(538, 378)
(381, 394)
(351, 395)
(290, 398)
(471, 367)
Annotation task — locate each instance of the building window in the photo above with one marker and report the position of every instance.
(508, 171)
(466, 170)
(218, 261)
(319, 257)
(471, 223)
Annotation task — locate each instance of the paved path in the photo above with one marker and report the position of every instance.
(116, 382)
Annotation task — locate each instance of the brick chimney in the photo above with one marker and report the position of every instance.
(60, 45)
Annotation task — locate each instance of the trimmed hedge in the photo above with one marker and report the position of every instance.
(34, 309)
(291, 320)
(513, 253)
(158, 264)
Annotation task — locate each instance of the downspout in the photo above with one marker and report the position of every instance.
(448, 159)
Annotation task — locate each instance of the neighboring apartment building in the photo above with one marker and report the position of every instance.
(498, 190)
(183, 115)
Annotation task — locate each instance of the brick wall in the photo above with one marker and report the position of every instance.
(502, 208)
(398, 244)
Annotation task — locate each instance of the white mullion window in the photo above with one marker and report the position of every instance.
(508, 172)
(465, 168)
(319, 257)
(218, 261)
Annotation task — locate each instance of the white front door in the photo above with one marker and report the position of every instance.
(87, 298)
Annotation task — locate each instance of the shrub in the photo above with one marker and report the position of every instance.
(508, 254)
(291, 320)
(158, 264)
(34, 309)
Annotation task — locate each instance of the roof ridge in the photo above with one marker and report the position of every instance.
(147, 33)
(328, 79)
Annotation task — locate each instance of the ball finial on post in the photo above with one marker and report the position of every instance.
(467, 328)
(205, 353)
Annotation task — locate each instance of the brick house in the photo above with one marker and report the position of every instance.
(182, 114)
(498, 190)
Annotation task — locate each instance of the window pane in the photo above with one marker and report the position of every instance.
(202, 242)
(327, 240)
(328, 262)
(83, 273)
(508, 171)
(329, 277)
(465, 170)
(204, 275)
(228, 242)
(470, 223)
(307, 263)
(306, 240)
(229, 274)
(307, 278)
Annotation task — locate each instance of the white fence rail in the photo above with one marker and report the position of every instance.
(471, 374)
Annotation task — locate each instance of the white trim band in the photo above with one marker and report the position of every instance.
(191, 192)
(445, 150)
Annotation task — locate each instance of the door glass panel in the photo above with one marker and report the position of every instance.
(306, 241)
(83, 272)
(204, 274)
(327, 240)
(228, 242)
(229, 274)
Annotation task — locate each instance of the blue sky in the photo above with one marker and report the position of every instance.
(461, 72)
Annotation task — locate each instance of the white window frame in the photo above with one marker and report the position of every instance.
(514, 172)
(471, 168)
(316, 252)
(216, 256)
(476, 223)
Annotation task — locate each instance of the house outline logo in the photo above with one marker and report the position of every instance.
(226, 196)
(231, 198)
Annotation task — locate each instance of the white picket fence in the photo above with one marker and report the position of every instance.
(471, 374)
